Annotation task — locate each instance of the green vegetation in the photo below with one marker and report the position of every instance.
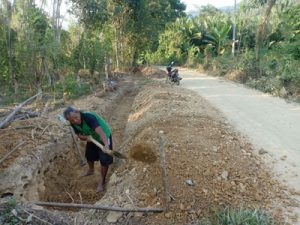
(240, 216)
(38, 54)
(266, 48)
(6, 213)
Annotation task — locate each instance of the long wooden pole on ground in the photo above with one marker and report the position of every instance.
(100, 207)
(11, 115)
(163, 169)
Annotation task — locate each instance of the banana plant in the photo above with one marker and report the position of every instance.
(218, 33)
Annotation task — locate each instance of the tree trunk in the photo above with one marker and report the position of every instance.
(261, 29)
(9, 46)
(117, 49)
(234, 30)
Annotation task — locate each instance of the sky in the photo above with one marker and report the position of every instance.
(192, 5)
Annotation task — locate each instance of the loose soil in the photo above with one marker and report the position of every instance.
(200, 145)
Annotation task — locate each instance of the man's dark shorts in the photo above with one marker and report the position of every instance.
(94, 153)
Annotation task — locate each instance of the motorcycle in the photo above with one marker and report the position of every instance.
(173, 75)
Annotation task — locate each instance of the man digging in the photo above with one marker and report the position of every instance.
(87, 124)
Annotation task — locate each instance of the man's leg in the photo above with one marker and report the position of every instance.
(101, 183)
(90, 170)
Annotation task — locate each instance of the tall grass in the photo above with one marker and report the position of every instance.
(241, 216)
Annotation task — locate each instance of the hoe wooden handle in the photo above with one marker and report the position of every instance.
(109, 152)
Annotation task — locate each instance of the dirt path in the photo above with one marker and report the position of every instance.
(269, 122)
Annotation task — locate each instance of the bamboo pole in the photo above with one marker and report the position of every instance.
(100, 207)
(163, 170)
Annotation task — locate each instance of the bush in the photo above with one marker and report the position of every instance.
(223, 64)
(249, 65)
(74, 90)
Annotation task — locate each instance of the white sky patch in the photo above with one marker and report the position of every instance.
(193, 5)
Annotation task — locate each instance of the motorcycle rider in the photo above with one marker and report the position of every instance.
(173, 74)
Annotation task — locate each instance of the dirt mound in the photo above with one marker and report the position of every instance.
(200, 146)
(142, 153)
(153, 72)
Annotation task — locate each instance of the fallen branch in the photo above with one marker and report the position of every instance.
(100, 207)
(12, 151)
(18, 128)
(10, 116)
(36, 217)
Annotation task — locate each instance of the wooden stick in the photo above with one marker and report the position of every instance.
(100, 207)
(38, 218)
(163, 169)
(82, 159)
(16, 128)
(109, 152)
(14, 149)
(10, 116)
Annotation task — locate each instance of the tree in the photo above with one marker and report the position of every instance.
(260, 35)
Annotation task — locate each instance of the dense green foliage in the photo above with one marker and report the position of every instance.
(266, 47)
(37, 54)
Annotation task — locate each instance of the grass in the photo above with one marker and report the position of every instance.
(244, 216)
(241, 216)
(6, 214)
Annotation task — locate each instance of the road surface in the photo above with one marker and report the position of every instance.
(268, 122)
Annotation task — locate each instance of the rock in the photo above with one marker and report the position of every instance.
(182, 207)
(113, 216)
(215, 149)
(262, 151)
(168, 215)
(199, 212)
(224, 175)
(189, 182)
(283, 157)
(242, 186)
(138, 214)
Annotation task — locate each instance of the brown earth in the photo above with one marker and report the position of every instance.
(200, 145)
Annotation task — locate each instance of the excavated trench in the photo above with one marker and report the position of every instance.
(62, 180)
(51, 171)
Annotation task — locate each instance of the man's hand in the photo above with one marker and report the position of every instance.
(83, 137)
